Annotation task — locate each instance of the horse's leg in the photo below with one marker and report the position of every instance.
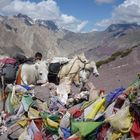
(24, 80)
(83, 88)
(57, 80)
(3, 92)
(1, 98)
(75, 79)
(2, 81)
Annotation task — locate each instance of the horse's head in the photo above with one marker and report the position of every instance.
(87, 70)
(95, 71)
(88, 66)
(42, 70)
(84, 75)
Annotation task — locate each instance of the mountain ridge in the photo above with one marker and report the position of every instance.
(31, 35)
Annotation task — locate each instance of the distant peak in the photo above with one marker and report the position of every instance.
(23, 16)
(115, 27)
(47, 23)
(27, 20)
(41, 22)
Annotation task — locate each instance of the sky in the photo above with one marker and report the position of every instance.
(76, 15)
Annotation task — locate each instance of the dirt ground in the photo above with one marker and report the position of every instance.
(121, 72)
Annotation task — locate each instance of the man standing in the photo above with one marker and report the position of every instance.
(38, 56)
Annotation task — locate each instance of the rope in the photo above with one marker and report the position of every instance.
(85, 63)
(69, 69)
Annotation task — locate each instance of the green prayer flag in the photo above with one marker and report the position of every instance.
(27, 102)
(85, 128)
(9, 107)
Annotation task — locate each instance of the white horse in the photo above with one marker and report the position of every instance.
(78, 70)
(32, 73)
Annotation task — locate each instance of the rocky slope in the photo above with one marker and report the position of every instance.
(25, 35)
(121, 72)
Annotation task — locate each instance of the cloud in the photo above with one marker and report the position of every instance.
(71, 23)
(105, 1)
(48, 10)
(4, 2)
(94, 29)
(81, 25)
(127, 12)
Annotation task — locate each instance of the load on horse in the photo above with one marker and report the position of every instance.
(77, 69)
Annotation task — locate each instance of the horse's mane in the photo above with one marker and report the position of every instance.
(81, 57)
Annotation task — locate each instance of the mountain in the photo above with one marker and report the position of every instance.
(27, 20)
(122, 27)
(99, 45)
(22, 34)
(45, 23)
(48, 24)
